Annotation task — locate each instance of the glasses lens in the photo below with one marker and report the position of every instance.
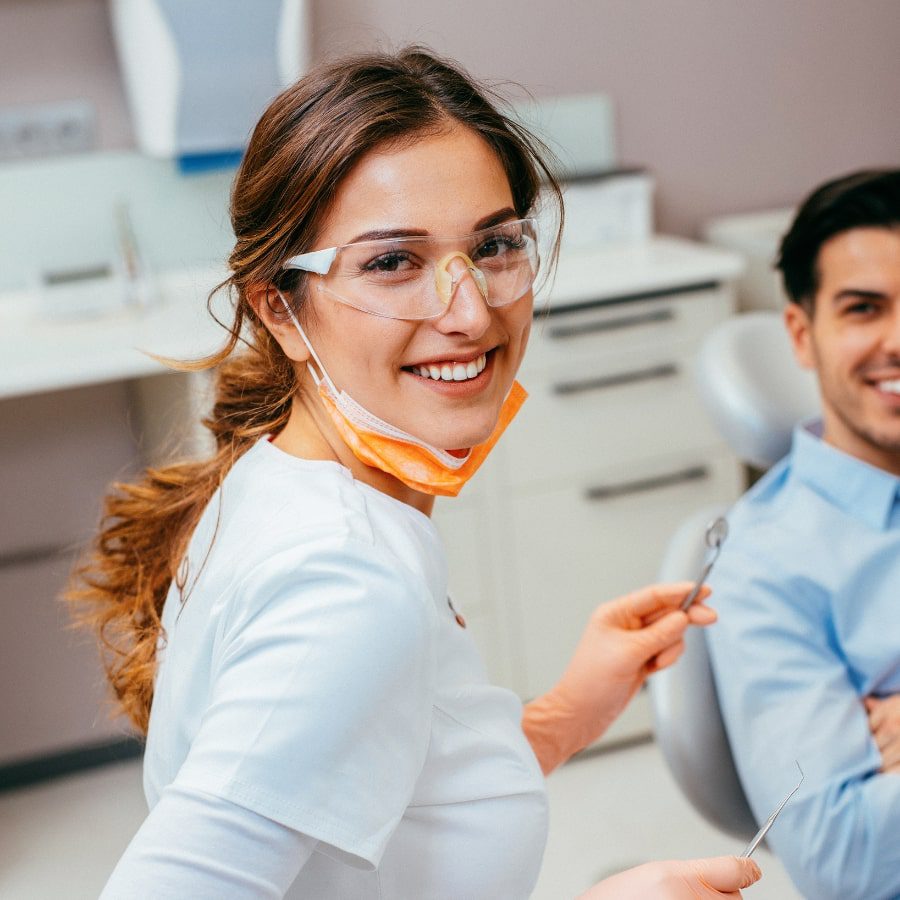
(396, 277)
(507, 255)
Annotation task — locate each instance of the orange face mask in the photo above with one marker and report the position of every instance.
(415, 463)
(379, 444)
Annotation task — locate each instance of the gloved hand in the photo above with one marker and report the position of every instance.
(682, 879)
(624, 641)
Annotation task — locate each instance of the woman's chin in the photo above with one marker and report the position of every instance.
(455, 438)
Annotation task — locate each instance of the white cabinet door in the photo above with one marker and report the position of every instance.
(624, 406)
(54, 695)
(585, 334)
(578, 545)
(58, 454)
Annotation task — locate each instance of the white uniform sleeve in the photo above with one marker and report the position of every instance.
(322, 691)
(199, 846)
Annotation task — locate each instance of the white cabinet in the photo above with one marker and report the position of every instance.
(59, 451)
(611, 451)
(570, 549)
(80, 407)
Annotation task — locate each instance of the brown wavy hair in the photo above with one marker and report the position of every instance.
(305, 144)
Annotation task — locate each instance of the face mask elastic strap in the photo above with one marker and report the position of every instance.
(317, 378)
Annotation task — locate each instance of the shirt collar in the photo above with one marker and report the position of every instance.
(857, 487)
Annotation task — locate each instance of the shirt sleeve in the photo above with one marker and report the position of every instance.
(786, 694)
(321, 697)
(199, 846)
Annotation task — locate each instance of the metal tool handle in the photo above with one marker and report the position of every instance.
(698, 586)
(758, 837)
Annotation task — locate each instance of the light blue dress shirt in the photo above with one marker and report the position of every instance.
(808, 593)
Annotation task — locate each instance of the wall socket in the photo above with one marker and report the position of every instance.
(46, 129)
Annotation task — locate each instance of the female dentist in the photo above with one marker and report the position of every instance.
(318, 721)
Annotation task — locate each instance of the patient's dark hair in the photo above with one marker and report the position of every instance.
(867, 199)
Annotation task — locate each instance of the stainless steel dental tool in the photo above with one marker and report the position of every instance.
(716, 532)
(758, 837)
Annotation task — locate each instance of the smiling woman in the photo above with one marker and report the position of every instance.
(318, 721)
(414, 305)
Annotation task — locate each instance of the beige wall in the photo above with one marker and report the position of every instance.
(734, 104)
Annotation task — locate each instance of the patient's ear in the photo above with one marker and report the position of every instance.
(799, 327)
(270, 310)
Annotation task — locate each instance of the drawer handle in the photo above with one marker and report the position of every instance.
(610, 491)
(563, 332)
(668, 370)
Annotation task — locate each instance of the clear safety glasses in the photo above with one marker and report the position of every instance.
(417, 277)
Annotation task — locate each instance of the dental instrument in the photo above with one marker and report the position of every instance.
(716, 532)
(758, 837)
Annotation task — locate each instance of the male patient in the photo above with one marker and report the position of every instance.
(807, 650)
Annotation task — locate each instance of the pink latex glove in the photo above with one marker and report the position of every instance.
(682, 879)
(625, 640)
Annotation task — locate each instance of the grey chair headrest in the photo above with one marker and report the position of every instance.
(753, 388)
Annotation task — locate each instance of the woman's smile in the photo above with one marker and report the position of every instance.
(454, 376)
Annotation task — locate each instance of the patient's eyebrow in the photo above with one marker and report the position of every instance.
(852, 293)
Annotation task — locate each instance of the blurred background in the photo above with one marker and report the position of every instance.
(735, 106)
(687, 131)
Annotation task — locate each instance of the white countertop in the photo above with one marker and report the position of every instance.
(39, 353)
(620, 270)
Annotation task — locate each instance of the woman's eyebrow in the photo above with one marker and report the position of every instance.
(383, 234)
(495, 218)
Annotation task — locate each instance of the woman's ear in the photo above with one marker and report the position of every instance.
(271, 310)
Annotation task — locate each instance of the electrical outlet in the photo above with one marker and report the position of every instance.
(46, 129)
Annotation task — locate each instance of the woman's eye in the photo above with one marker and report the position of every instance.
(498, 245)
(388, 262)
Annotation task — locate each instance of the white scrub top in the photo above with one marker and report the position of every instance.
(314, 673)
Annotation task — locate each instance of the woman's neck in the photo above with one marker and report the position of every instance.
(309, 434)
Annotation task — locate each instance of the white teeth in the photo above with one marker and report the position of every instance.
(453, 371)
(891, 387)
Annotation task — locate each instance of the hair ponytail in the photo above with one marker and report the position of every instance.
(120, 587)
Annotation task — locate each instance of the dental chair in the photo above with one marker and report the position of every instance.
(755, 393)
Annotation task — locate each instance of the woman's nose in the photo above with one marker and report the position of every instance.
(467, 310)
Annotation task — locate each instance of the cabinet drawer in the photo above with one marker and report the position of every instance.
(591, 333)
(54, 694)
(628, 406)
(576, 547)
(58, 454)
